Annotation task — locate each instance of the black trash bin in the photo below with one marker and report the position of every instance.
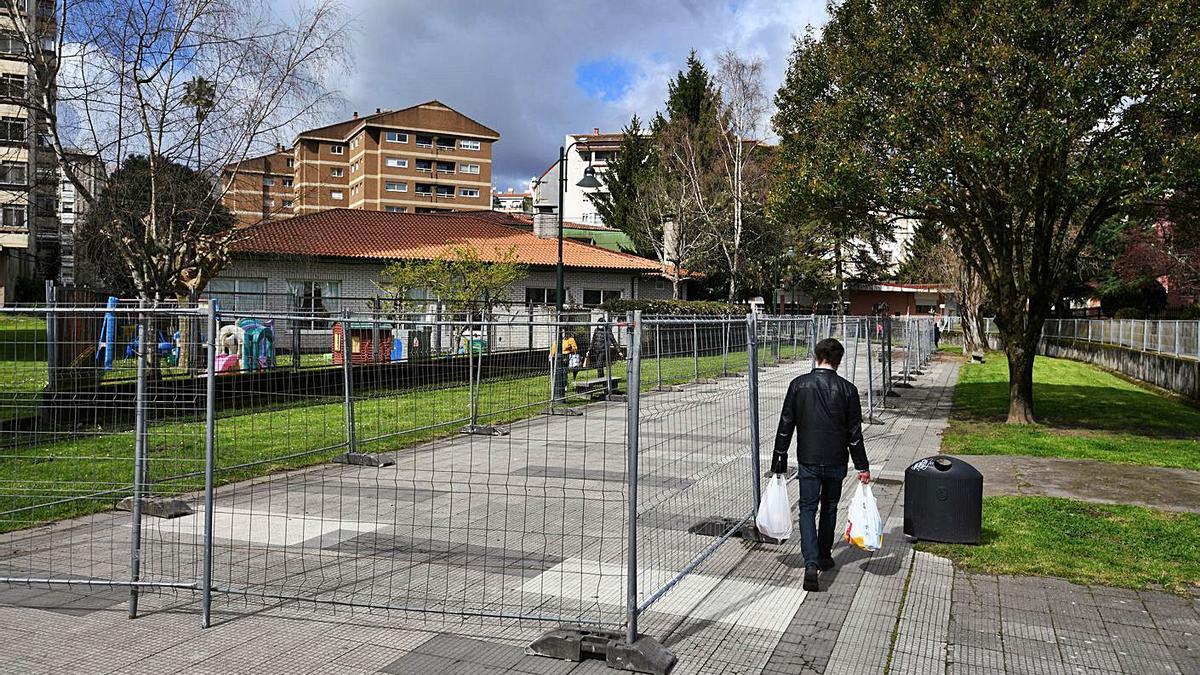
(943, 500)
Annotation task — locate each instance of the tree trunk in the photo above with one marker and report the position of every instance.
(1020, 379)
(189, 334)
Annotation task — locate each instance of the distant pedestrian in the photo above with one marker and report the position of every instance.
(602, 349)
(937, 334)
(824, 411)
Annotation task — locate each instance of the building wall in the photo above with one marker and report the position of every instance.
(259, 190)
(29, 232)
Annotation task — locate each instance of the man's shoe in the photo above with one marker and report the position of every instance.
(825, 564)
(810, 577)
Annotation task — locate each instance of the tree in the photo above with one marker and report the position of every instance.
(461, 280)
(192, 228)
(922, 262)
(625, 179)
(1019, 126)
(171, 82)
(744, 102)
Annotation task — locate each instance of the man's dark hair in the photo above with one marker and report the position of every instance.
(830, 351)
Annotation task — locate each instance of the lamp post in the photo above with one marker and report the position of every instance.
(588, 181)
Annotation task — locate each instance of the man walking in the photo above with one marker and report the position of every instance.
(825, 412)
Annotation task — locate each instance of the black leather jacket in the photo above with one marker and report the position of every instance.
(824, 411)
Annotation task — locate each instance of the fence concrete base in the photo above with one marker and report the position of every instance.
(1178, 375)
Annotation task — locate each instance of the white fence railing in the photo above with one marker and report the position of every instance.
(1179, 338)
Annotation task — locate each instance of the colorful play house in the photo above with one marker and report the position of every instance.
(362, 343)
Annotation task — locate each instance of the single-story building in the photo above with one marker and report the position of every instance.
(337, 255)
(900, 299)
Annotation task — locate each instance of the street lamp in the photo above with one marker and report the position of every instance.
(588, 181)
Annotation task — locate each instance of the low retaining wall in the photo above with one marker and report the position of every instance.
(1178, 375)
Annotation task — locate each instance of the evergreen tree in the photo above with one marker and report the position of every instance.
(626, 179)
(919, 263)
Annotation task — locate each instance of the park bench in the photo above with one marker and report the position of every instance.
(598, 386)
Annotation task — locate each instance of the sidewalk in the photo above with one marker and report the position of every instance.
(743, 612)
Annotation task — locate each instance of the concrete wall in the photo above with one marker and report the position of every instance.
(1181, 376)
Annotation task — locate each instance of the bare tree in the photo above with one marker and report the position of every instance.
(744, 103)
(207, 83)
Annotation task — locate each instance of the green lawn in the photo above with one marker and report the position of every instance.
(1083, 412)
(259, 442)
(1125, 546)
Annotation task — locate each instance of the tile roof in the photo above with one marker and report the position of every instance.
(275, 161)
(356, 233)
(342, 131)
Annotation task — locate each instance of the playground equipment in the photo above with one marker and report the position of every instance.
(249, 345)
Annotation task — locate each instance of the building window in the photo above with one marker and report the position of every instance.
(287, 203)
(337, 149)
(268, 182)
(236, 294)
(599, 297)
(396, 187)
(396, 137)
(468, 192)
(541, 296)
(12, 86)
(291, 162)
(337, 194)
(287, 182)
(446, 191)
(424, 165)
(424, 189)
(14, 173)
(445, 167)
(45, 206)
(337, 172)
(12, 216)
(469, 168)
(316, 300)
(468, 145)
(659, 284)
(12, 129)
(396, 209)
(424, 141)
(397, 162)
(11, 43)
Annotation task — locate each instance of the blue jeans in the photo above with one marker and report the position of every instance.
(819, 484)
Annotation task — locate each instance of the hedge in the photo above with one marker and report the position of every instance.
(676, 307)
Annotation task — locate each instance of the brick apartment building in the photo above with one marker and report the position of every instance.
(422, 159)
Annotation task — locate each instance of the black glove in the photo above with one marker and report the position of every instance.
(779, 463)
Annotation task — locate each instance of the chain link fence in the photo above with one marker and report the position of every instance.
(497, 464)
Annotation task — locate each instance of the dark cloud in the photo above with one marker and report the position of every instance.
(515, 66)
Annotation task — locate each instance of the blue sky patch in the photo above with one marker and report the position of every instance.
(606, 79)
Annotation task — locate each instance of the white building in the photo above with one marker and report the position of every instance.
(596, 150)
(512, 202)
(72, 210)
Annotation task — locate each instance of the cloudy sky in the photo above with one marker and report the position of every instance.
(538, 69)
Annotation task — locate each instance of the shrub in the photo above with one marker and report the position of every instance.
(1128, 313)
(1190, 313)
(675, 307)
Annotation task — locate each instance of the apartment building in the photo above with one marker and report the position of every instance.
(71, 210)
(28, 175)
(512, 202)
(261, 189)
(596, 150)
(422, 159)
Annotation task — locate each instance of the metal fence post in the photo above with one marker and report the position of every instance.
(752, 381)
(658, 354)
(348, 383)
(210, 460)
(1145, 335)
(139, 469)
(695, 350)
(870, 377)
(297, 327)
(51, 336)
(1178, 344)
(725, 348)
(633, 374)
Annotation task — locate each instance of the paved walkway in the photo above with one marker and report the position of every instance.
(742, 612)
(1090, 480)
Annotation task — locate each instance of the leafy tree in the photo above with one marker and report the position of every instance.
(626, 179)
(187, 244)
(461, 280)
(921, 262)
(1019, 126)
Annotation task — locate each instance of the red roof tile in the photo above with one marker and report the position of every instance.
(355, 233)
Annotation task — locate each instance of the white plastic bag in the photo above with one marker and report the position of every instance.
(865, 528)
(774, 517)
(574, 362)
